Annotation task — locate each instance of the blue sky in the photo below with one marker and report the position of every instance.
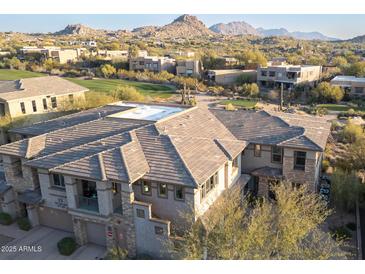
(340, 26)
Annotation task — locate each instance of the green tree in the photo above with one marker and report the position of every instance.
(351, 133)
(251, 90)
(288, 228)
(13, 63)
(357, 69)
(127, 93)
(326, 93)
(346, 189)
(252, 58)
(339, 61)
(108, 70)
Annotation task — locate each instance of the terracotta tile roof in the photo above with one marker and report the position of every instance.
(276, 128)
(185, 149)
(38, 86)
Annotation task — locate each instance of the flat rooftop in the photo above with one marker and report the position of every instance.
(347, 78)
(146, 112)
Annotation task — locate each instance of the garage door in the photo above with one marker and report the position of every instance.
(96, 233)
(55, 218)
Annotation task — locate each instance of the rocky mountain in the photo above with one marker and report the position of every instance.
(357, 39)
(234, 28)
(185, 26)
(295, 34)
(81, 30)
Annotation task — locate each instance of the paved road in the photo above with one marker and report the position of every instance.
(40, 243)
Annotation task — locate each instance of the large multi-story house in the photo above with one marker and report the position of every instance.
(189, 68)
(152, 63)
(353, 86)
(274, 75)
(123, 174)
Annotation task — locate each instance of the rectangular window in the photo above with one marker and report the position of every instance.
(140, 213)
(257, 151)
(146, 188)
(208, 185)
(162, 190)
(58, 180)
(115, 188)
(22, 107)
(45, 106)
(272, 73)
(71, 98)
(34, 106)
(158, 230)
(276, 154)
(179, 193)
(263, 73)
(54, 102)
(299, 160)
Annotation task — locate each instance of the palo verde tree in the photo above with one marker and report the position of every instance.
(288, 228)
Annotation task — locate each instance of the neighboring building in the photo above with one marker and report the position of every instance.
(187, 54)
(227, 77)
(189, 68)
(4, 53)
(290, 75)
(353, 86)
(63, 56)
(152, 63)
(125, 177)
(228, 62)
(36, 95)
(113, 54)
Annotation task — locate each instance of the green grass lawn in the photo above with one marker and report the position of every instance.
(107, 85)
(240, 103)
(13, 74)
(336, 107)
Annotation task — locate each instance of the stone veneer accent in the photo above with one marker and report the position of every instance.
(79, 230)
(306, 176)
(127, 219)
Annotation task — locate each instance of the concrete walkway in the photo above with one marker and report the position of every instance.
(40, 243)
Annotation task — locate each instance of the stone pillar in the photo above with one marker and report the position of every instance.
(128, 218)
(33, 217)
(263, 187)
(71, 191)
(9, 204)
(105, 197)
(79, 231)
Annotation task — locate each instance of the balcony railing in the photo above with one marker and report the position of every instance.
(86, 203)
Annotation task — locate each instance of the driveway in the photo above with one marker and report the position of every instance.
(40, 243)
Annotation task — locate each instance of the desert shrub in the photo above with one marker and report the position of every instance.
(5, 218)
(229, 106)
(325, 165)
(341, 233)
(351, 133)
(127, 93)
(24, 224)
(66, 246)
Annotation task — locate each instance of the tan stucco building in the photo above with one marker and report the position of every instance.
(353, 86)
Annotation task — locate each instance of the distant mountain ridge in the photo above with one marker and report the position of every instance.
(357, 39)
(234, 28)
(315, 35)
(189, 26)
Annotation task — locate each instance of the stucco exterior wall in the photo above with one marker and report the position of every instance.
(13, 109)
(167, 208)
(251, 162)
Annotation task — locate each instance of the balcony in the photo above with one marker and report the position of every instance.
(87, 203)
